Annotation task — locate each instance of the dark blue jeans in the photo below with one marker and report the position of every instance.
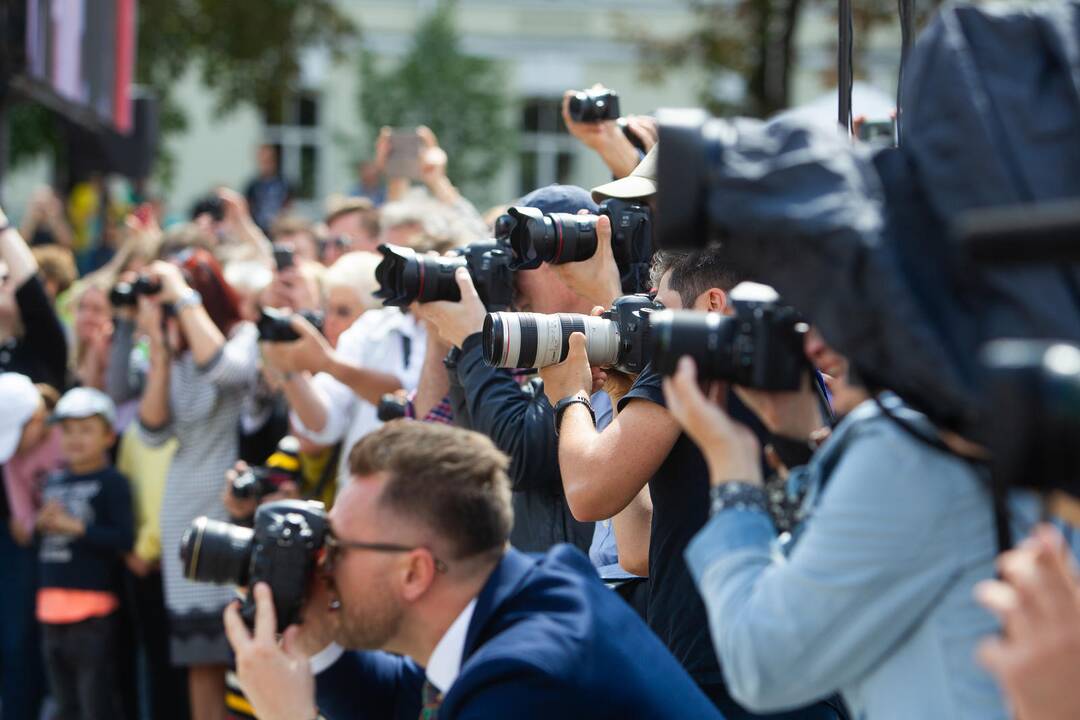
(22, 678)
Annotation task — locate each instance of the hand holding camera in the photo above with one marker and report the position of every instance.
(591, 116)
(730, 448)
(595, 278)
(573, 376)
(308, 351)
(455, 321)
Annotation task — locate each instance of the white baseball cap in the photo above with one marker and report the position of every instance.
(20, 400)
(84, 402)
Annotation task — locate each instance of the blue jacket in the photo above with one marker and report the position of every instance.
(547, 640)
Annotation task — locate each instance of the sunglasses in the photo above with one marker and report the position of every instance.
(335, 547)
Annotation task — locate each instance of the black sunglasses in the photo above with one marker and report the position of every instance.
(335, 546)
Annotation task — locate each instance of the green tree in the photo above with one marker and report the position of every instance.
(755, 39)
(246, 51)
(460, 97)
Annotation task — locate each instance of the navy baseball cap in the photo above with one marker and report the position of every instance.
(560, 199)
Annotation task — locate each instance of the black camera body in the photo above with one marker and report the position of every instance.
(631, 314)
(275, 325)
(590, 107)
(256, 482)
(631, 241)
(391, 407)
(405, 277)
(760, 346)
(125, 294)
(282, 550)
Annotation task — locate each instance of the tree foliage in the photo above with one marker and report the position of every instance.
(460, 97)
(756, 40)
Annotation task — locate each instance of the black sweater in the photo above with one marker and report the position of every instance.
(102, 500)
(521, 422)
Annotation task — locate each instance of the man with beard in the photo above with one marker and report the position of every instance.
(418, 566)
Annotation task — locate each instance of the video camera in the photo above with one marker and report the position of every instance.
(618, 338)
(557, 238)
(405, 277)
(760, 346)
(282, 550)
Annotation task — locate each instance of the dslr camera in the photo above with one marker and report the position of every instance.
(760, 346)
(616, 339)
(275, 325)
(405, 277)
(558, 238)
(281, 467)
(590, 107)
(282, 550)
(126, 294)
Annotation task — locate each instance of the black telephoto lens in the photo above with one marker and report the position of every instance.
(405, 277)
(706, 337)
(216, 552)
(556, 238)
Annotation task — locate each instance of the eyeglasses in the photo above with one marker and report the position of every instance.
(335, 546)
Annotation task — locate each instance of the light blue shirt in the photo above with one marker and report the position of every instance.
(603, 552)
(873, 598)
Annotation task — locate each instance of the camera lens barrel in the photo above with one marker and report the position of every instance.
(706, 337)
(216, 552)
(405, 277)
(556, 238)
(534, 340)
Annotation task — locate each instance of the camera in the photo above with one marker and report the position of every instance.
(617, 339)
(276, 326)
(391, 407)
(760, 346)
(558, 238)
(282, 466)
(282, 550)
(284, 255)
(210, 205)
(594, 106)
(405, 277)
(125, 294)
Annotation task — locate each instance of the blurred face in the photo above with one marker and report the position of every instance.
(351, 225)
(343, 307)
(85, 441)
(823, 357)
(303, 244)
(366, 583)
(267, 160)
(541, 291)
(402, 234)
(92, 315)
(291, 289)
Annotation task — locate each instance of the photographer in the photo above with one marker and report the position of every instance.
(644, 447)
(333, 392)
(874, 598)
(418, 566)
(518, 417)
(607, 138)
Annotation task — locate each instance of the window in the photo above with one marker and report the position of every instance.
(547, 150)
(293, 130)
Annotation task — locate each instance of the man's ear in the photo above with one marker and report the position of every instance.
(418, 574)
(716, 300)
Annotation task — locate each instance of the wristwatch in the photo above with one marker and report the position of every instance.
(189, 299)
(560, 408)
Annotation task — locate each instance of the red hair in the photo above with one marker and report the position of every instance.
(203, 273)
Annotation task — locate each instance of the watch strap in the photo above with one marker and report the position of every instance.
(562, 405)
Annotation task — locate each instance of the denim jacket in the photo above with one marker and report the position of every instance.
(871, 597)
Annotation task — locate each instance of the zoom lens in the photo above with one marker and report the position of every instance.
(706, 337)
(533, 340)
(216, 552)
(556, 238)
(404, 277)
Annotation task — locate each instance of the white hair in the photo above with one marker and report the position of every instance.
(355, 270)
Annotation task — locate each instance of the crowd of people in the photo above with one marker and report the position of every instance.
(574, 538)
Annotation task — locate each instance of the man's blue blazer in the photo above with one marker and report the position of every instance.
(547, 640)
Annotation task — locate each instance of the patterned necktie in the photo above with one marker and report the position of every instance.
(431, 699)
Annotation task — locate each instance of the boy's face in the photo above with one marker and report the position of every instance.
(85, 440)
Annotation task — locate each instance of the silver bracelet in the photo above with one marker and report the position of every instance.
(737, 496)
(190, 299)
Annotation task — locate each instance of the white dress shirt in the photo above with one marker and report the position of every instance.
(386, 340)
(445, 663)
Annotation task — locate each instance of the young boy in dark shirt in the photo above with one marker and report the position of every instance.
(86, 527)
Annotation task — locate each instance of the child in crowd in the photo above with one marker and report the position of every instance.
(86, 527)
